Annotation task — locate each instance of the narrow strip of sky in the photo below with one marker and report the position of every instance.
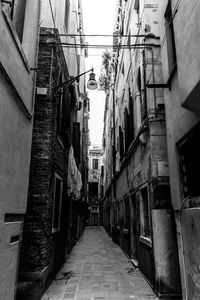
(98, 18)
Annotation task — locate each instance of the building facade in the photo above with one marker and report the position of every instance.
(19, 23)
(137, 206)
(95, 185)
(56, 207)
(181, 72)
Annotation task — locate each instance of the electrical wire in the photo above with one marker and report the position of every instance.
(104, 35)
(70, 53)
(96, 46)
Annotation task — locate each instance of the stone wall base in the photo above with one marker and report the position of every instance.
(32, 285)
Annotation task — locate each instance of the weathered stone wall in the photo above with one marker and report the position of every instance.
(182, 113)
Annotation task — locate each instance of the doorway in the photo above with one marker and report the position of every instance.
(134, 228)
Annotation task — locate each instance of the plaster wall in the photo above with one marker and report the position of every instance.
(54, 16)
(15, 146)
(71, 54)
(179, 120)
(16, 108)
(187, 36)
(17, 58)
(187, 39)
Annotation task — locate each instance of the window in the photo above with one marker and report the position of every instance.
(137, 5)
(145, 225)
(15, 9)
(131, 116)
(142, 86)
(126, 129)
(127, 213)
(93, 189)
(189, 160)
(62, 112)
(95, 163)
(171, 49)
(139, 80)
(58, 191)
(66, 14)
(122, 69)
(102, 171)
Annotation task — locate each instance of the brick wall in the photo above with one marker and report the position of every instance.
(40, 247)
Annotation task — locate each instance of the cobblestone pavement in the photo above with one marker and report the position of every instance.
(97, 269)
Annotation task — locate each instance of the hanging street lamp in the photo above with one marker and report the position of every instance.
(91, 84)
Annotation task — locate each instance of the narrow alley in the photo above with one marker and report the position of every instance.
(97, 269)
(99, 151)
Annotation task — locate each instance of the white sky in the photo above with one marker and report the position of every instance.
(98, 18)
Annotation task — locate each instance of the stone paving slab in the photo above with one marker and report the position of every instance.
(97, 269)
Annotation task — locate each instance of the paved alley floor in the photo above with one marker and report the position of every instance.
(97, 269)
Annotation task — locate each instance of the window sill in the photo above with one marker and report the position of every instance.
(16, 40)
(146, 241)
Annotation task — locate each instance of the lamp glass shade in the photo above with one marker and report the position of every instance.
(92, 84)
